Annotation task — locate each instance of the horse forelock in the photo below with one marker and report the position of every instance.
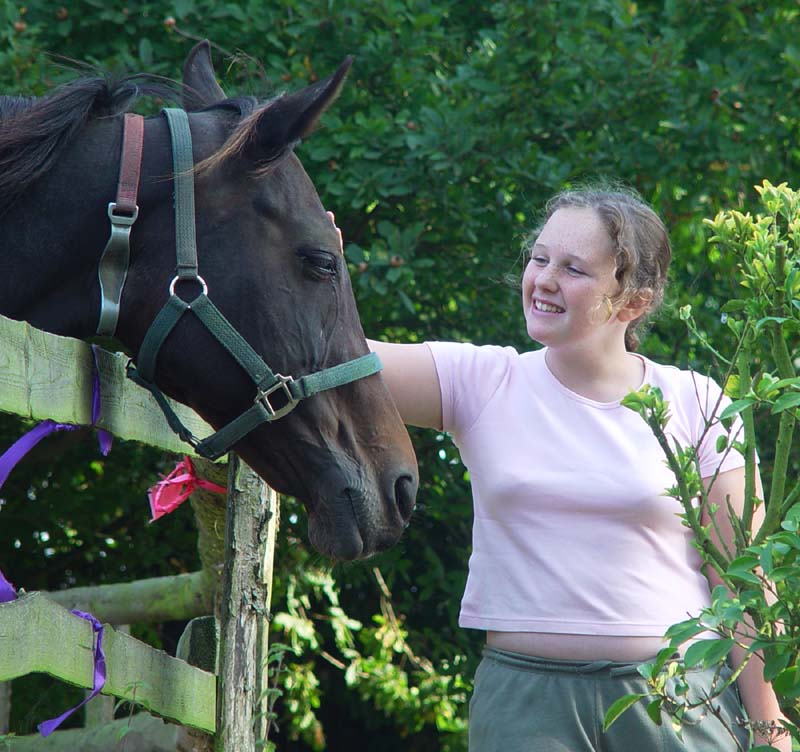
(36, 130)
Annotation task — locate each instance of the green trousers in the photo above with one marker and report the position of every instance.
(526, 704)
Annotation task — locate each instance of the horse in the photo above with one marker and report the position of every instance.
(269, 272)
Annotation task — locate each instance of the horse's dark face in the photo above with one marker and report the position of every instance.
(272, 261)
(271, 258)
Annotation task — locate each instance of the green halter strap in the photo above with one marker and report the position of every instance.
(265, 380)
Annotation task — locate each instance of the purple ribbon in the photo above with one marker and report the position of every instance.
(48, 727)
(104, 438)
(8, 593)
(23, 445)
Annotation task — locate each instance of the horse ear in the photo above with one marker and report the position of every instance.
(294, 116)
(200, 87)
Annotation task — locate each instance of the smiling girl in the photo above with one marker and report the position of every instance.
(579, 561)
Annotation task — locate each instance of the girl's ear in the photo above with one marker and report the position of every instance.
(637, 306)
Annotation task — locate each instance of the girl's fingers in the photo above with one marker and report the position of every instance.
(338, 231)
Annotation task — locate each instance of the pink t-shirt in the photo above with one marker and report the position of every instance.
(572, 531)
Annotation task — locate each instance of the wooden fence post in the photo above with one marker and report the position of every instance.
(242, 700)
(5, 706)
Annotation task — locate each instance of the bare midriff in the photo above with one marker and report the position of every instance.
(577, 647)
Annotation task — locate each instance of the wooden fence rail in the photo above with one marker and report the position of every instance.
(43, 376)
(47, 638)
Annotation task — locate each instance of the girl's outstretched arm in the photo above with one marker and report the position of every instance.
(410, 373)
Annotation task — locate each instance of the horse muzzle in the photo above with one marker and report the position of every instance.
(360, 519)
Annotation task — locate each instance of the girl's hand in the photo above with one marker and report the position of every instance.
(338, 231)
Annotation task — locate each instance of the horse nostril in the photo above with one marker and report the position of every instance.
(405, 493)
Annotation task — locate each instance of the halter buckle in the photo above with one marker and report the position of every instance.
(263, 395)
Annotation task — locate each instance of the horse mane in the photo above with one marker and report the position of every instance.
(250, 110)
(35, 130)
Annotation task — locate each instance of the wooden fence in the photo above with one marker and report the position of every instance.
(213, 694)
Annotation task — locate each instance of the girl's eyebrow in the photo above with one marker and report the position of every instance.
(567, 256)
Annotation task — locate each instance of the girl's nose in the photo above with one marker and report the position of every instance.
(546, 278)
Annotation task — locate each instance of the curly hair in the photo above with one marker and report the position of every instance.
(639, 240)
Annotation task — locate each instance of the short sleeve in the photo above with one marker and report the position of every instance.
(469, 376)
(708, 402)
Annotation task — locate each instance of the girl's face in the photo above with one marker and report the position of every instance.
(568, 280)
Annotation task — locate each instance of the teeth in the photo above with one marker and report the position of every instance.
(546, 307)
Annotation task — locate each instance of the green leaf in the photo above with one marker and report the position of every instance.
(785, 401)
(679, 633)
(767, 319)
(654, 711)
(779, 574)
(774, 663)
(781, 383)
(733, 305)
(707, 652)
(146, 51)
(736, 407)
(787, 682)
(407, 302)
(619, 707)
(765, 559)
(742, 568)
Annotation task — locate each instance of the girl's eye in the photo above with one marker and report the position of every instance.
(539, 260)
(319, 264)
(574, 272)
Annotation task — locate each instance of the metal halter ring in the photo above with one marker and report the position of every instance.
(196, 278)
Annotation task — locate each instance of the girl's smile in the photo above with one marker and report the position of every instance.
(541, 306)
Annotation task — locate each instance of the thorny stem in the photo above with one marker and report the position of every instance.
(717, 559)
(783, 361)
(736, 523)
(790, 499)
(744, 359)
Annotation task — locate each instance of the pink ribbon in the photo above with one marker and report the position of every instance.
(173, 489)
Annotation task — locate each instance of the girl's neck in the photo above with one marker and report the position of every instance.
(602, 377)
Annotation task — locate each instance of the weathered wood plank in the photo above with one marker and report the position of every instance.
(5, 706)
(45, 376)
(250, 526)
(176, 597)
(140, 733)
(37, 635)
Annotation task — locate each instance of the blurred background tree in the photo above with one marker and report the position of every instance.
(457, 123)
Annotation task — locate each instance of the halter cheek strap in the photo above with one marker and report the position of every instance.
(287, 389)
(122, 214)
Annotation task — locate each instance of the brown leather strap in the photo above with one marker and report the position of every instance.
(113, 267)
(130, 164)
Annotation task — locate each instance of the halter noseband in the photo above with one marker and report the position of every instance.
(267, 383)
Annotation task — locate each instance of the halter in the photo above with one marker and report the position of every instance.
(267, 383)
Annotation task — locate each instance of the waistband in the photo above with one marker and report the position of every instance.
(533, 663)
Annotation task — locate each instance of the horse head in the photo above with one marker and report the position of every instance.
(270, 258)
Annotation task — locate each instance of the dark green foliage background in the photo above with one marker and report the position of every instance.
(458, 121)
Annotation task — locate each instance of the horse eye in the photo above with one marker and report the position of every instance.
(318, 264)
